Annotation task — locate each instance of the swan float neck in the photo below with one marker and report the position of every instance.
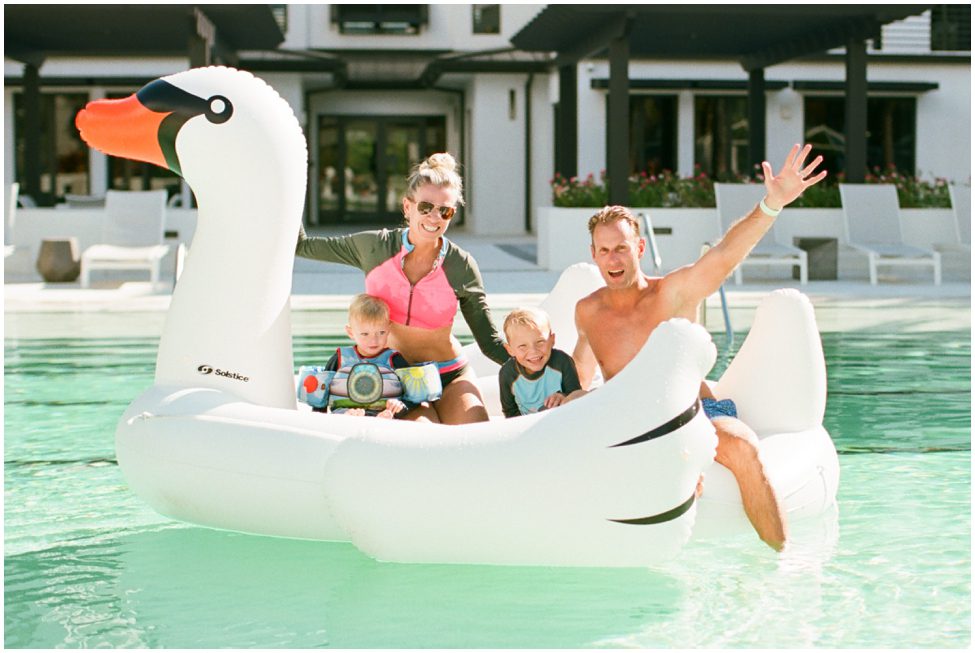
(239, 146)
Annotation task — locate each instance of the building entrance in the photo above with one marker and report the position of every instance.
(363, 162)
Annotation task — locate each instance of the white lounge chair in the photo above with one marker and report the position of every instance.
(736, 201)
(873, 226)
(132, 237)
(10, 198)
(961, 205)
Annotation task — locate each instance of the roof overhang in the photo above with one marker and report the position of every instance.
(755, 35)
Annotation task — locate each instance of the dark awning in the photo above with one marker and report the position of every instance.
(602, 83)
(755, 35)
(694, 84)
(872, 87)
(34, 32)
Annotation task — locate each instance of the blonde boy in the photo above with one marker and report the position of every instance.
(369, 328)
(537, 376)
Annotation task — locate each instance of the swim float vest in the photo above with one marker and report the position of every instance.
(367, 382)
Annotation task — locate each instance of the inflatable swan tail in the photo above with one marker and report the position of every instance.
(778, 377)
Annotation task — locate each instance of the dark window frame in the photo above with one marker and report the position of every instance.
(400, 20)
(485, 19)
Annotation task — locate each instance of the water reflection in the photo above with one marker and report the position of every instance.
(190, 587)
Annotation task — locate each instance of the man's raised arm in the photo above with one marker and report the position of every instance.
(698, 281)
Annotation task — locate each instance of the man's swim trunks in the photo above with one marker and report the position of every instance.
(719, 408)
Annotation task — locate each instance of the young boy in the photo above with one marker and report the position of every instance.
(369, 328)
(536, 376)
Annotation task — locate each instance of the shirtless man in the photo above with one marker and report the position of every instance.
(615, 321)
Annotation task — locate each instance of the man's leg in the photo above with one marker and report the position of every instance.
(738, 451)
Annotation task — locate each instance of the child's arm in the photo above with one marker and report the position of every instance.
(506, 377)
(571, 389)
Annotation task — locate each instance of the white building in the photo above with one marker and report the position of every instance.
(377, 87)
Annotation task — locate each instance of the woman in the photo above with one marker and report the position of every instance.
(422, 276)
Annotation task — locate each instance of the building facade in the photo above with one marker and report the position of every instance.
(377, 87)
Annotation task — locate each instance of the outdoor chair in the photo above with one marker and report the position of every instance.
(961, 206)
(10, 198)
(75, 201)
(132, 237)
(736, 201)
(871, 213)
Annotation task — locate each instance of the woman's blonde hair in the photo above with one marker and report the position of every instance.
(368, 309)
(534, 318)
(437, 170)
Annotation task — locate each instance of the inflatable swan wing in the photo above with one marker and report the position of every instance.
(607, 480)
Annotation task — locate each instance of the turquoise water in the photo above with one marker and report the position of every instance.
(88, 565)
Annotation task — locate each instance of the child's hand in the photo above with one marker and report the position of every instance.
(554, 399)
(356, 412)
(393, 406)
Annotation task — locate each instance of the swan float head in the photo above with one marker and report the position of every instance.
(238, 145)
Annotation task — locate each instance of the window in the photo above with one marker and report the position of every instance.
(653, 133)
(891, 132)
(951, 27)
(721, 135)
(486, 19)
(63, 156)
(379, 19)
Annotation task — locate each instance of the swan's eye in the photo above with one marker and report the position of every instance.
(219, 109)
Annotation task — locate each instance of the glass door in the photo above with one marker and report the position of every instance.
(363, 163)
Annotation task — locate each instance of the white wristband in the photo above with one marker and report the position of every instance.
(766, 210)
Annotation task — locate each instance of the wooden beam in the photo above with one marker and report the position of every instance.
(855, 127)
(618, 119)
(611, 27)
(756, 117)
(567, 134)
(32, 134)
(812, 43)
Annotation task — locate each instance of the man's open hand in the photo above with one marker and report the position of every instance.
(783, 188)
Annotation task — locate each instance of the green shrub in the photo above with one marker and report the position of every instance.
(667, 190)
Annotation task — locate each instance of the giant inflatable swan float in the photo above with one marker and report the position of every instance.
(607, 480)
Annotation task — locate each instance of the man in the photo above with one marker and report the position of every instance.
(615, 321)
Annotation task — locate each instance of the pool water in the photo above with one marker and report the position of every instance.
(87, 564)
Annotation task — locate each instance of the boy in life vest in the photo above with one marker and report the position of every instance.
(364, 381)
(537, 376)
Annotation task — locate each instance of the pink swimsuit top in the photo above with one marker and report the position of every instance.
(429, 304)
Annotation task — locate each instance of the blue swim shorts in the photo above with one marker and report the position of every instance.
(719, 408)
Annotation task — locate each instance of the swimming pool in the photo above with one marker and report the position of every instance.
(88, 564)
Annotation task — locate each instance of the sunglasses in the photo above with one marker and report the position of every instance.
(446, 212)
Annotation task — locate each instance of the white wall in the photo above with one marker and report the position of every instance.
(943, 116)
(944, 126)
(543, 146)
(496, 153)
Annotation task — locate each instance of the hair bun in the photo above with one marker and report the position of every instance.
(440, 160)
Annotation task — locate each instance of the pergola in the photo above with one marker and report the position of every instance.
(204, 34)
(756, 36)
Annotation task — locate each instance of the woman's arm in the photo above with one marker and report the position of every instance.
(465, 278)
(352, 249)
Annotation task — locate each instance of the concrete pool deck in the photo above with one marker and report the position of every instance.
(511, 279)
